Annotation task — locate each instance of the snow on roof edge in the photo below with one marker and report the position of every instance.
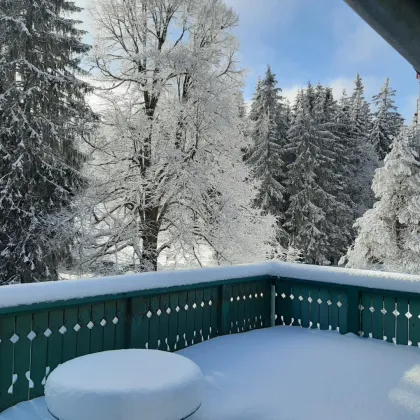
(27, 294)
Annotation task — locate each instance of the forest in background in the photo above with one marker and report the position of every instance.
(172, 169)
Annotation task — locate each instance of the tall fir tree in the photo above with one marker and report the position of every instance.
(306, 217)
(364, 159)
(331, 174)
(42, 115)
(266, 154)
(389, 234)
(387, 122)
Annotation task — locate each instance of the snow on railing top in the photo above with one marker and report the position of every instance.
(27, 294)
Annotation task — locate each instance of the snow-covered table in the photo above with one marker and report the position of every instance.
(125, 384)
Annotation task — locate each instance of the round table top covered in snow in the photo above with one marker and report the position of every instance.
(126, 385)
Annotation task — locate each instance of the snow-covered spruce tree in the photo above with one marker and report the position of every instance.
(389, 234)
(305, 219)
(319, 207)
(169, 169)
(332, 174)
(365, 159)
(268, 137)
(42, 114)
(387, 122)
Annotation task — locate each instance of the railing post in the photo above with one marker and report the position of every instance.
(223, 310)
(353, 310)
(273, 303)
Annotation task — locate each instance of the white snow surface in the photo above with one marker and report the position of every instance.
(125, 384)
(26, 294)
(290, 373)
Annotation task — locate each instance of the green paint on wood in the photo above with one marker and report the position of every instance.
(377, 317)
(39, 353)
(414, 321)
(314, 305)
(224, 296)
(55, 341)
(266, 284)
(260, 306)
(173, 322)
(389, 318)
(333, 309)
(207, 295)
(121, 335)
(248, 307)
(283, 302)
(253, 306)
(139, 334)
(366, 314)
(22, 358)
(189, 336)
(97, 330)
(7, 330)
(198, 316)
(215, 305)
(164, 322)
(154, 323)
(305, 306)
(182, 320)
(70, 336)
(83, 334)
(109, 328)
(343, 311)
(234, 309)
(241, 307)
(402, 321)
(324, 296)
(296, 304)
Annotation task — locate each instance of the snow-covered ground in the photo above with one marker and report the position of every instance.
(289, 373)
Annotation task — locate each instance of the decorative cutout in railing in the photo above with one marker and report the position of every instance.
(36, 338)
(34, 343)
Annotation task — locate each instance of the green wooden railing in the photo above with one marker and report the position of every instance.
(35, 338)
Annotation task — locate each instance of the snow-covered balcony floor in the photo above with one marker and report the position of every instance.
(289, 373)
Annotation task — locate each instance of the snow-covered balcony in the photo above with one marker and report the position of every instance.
(309, 370)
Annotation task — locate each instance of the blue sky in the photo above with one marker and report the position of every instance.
(317, 40)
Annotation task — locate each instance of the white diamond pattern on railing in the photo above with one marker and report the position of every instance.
(168, 311)
(300, 298)
(31, 335)
(90, 325)
(292, 297)
(310, 300)
(395, 312)
(408, 315)
(77, 328)
(14, 338)
(339, 304)
(62, 330)
(319, 301)
(329, 302)
(159, 312)
(372, 309)
(384, 311)
(115, 321)
(47, 332)
(149, 314)
(103, 323)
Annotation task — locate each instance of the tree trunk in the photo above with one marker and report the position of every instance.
(150, 240)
